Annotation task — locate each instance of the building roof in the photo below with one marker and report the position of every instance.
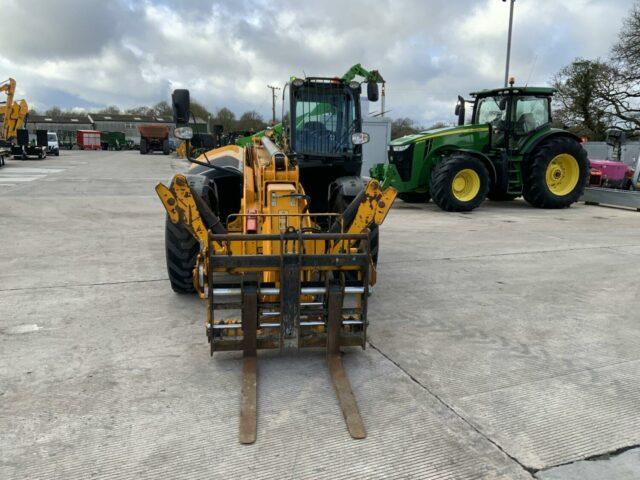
(63, 119)
(108, 117)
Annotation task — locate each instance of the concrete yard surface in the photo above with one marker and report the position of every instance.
(504, 344)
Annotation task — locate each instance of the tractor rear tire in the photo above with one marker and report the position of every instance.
(166, 148)
(181, 251)
(143, 146)
(459, 183)
(556, 174)
(414, 197)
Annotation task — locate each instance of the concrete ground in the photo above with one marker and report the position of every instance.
(504, 344)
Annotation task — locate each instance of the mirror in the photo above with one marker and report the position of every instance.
(372, 91)
(460, 110)
(181, 105)
(183, 133)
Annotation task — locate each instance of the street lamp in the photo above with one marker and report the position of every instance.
(506, 71)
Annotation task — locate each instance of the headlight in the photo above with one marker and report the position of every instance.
(400, 148)
(354, 85)
(183, 133)
(359, 138)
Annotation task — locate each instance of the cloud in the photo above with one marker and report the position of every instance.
(127, 52)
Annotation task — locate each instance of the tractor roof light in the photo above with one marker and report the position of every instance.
(354, 85)
(298, 82)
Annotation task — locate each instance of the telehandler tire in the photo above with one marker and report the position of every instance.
(181, 251)
(414, 197)
(557, 173)
(459, 183)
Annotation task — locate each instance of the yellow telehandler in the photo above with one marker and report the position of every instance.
(300, 267)
(14, 114)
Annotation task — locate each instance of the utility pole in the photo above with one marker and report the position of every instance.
(506, 71)
(273, 103)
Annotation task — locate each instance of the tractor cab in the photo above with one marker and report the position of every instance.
(513, 113)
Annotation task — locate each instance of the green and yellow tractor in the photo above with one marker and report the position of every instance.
(509, 149)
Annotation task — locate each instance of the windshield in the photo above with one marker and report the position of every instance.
(325, 120)
(489, 110)
(52, 137)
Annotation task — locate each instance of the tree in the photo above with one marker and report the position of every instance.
(621, 87)
(251, 121)
(142, 110)
(226, 118)
(403, 126)
(199, 111)
(579, 103)
(110, 110)
(163, 109)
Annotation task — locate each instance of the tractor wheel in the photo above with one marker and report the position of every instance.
(459, 183)
(181, 251)
(143, 146)
(166, 149)
(556, 174)
(414, 197)
(501, 196)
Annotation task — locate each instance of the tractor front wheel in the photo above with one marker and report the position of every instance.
(414, 197)
(459, 183)
(557, 173)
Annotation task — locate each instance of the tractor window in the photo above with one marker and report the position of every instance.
(325, 120)
(489, 111)
(530, 113)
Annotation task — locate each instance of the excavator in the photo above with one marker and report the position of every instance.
(282, 230)
(14, 113)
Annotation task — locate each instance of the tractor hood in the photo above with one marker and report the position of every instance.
(437, 132)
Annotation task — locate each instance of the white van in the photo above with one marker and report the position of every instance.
(52, 143)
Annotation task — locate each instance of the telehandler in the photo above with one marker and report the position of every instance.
(14, 114)
(509, 149)
(290, 223)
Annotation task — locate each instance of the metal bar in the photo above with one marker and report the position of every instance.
(273, 262)
(236, 237)
(336, 369)
(248, 420)
(290, 293)
(611, 196)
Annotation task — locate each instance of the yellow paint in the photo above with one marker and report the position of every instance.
(562, 175)
(466, 185)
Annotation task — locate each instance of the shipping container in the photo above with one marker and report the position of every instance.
(88, 139)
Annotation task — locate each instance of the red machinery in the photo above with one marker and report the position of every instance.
(88, 139)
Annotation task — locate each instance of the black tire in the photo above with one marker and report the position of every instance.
(181, 252)
(166, 149)
(501, 196)
(57, 153)
(441, 183)
(143, 146)
(414, 197)
(536, 191)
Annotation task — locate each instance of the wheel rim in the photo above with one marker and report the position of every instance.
(466, 185)
(563, 173)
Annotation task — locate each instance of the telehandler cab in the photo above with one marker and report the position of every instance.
(290, 223)
(509, 149)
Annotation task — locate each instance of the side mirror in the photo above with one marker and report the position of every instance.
(372, 91)
(183, 133)
(460, 110)
(181, 105)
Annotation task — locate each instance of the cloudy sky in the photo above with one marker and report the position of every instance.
(92, 53)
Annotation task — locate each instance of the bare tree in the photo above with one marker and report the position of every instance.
(403, 126)
(578, 103)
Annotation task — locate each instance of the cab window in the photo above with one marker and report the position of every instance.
(489, 111)
(530, 113)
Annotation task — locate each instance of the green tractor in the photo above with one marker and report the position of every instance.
(509, 149)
